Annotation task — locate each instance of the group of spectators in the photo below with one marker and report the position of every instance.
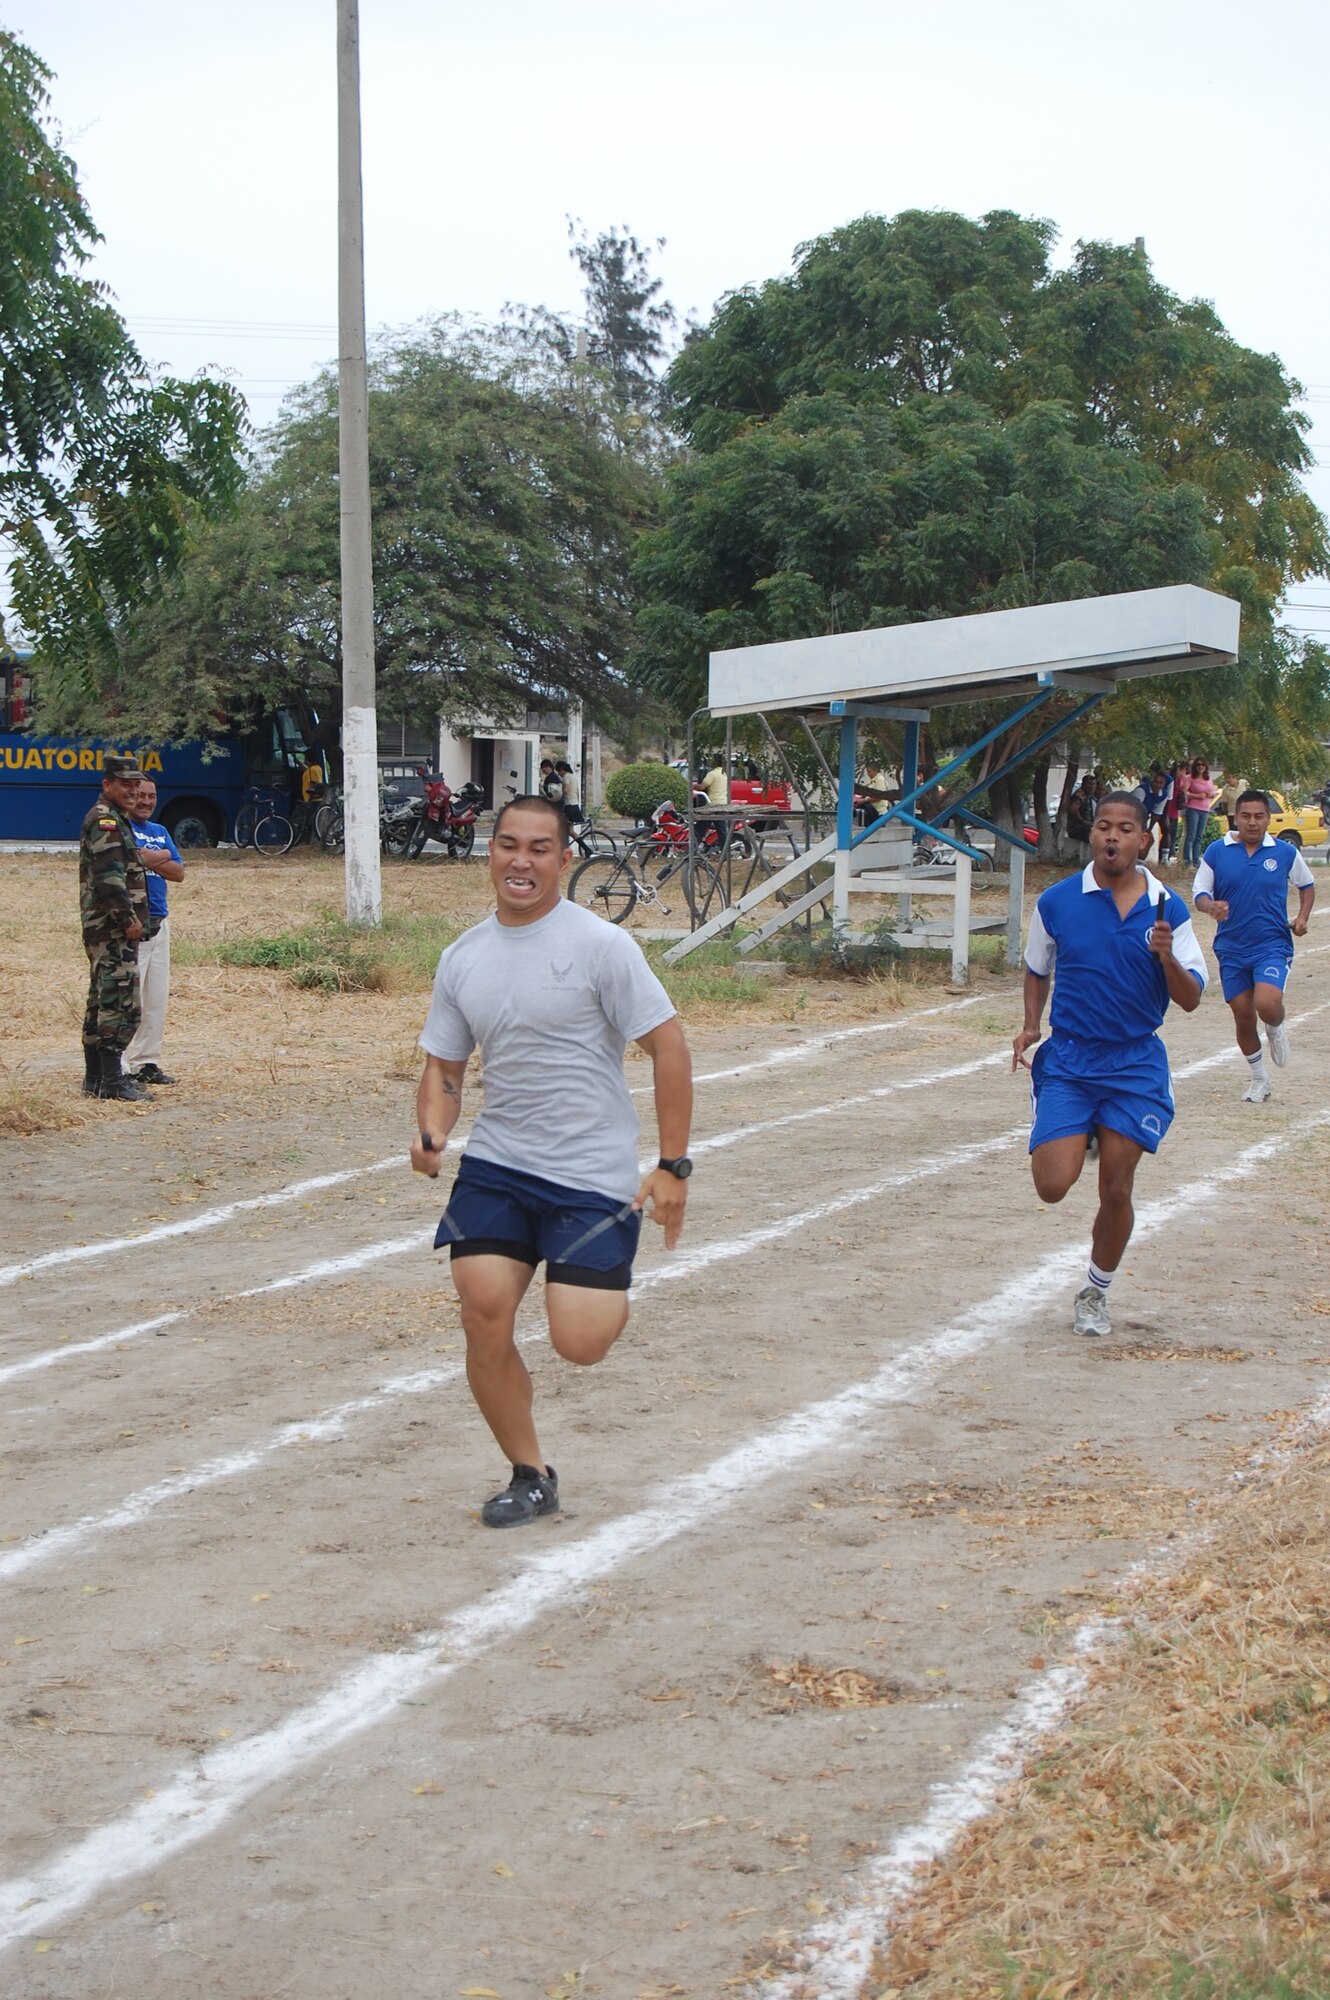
(1178, 803)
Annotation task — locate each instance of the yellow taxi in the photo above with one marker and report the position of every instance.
(1300, 826)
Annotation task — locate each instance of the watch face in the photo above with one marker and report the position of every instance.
(682, 1169)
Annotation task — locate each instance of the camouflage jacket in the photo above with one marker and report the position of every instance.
(113, 889)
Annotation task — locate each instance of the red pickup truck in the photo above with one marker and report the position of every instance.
(754, 795)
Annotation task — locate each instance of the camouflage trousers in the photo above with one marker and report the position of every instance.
(111, 1017)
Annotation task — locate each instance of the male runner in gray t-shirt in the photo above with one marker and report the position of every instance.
(550, 993)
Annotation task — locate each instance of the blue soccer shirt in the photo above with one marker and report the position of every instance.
(156, 838)
(1255, 886)
(1109, 986)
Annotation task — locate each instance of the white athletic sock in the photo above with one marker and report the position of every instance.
(1101, 1280)
(1256, 1064)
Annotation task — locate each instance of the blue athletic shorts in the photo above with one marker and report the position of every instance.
(1268, 968)
(1076, 1086)
(582, 1238)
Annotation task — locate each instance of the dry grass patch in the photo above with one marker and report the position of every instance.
(1173, 1841)
(30, 1104)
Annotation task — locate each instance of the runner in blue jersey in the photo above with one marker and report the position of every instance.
(1123, 947)
(1243, 883)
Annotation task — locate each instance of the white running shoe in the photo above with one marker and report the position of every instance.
(1091, 1311)
(1258, 1090)
(1278, 1040)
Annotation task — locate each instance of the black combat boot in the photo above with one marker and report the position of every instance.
(114, 1082)
(92, 1070)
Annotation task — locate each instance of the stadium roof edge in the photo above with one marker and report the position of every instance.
(1086, 642)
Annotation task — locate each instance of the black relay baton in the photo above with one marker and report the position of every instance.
(1159, 918)
(429, 1146)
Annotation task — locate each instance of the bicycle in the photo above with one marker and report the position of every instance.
(614, 885)
(590, 839)
(260, 825)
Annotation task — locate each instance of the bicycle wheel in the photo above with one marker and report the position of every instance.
(247, 818)
(323, 817)
(607, 887)
(462, 842)
(273, 835)
(703, 889)
(334, 833)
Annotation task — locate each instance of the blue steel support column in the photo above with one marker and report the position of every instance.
(849, 758)
(849, 761)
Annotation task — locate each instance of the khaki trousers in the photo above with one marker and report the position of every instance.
(154, 991)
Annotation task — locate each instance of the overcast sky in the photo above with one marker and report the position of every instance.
(736, 129)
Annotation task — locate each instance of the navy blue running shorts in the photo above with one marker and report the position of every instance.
(582, 1238)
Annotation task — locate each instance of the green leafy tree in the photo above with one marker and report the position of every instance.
(627, 319)
(925, 420)
(104, 469)
(504, 518)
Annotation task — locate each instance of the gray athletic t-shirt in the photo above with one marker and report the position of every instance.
(550, 1005)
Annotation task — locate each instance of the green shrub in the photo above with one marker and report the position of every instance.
(636, 791)
(826, 953)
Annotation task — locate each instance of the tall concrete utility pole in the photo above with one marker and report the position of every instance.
(360, 727)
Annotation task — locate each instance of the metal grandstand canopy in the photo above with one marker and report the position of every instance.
(1089, 645)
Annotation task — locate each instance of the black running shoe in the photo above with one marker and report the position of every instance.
(527, 1494)
(153, 1073)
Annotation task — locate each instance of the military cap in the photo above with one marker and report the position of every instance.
(120, 767)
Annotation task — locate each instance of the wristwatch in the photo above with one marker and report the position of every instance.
(680, 1168)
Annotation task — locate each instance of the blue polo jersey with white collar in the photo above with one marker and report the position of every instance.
(149, 834)
(1108, 986)
(1255, 886)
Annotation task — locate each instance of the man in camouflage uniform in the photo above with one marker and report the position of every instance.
(113, 906)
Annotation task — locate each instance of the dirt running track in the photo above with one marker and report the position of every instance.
(281, 1719)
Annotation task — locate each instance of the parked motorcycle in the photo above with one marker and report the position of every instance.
(669, 832)
(446, 816)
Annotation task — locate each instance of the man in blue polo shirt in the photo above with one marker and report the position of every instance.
(1123, 946)
(1243, 883)
(162, 864)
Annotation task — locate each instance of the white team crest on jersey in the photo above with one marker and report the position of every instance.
(1270, 864)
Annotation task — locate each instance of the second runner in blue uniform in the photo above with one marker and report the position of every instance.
(1243, 883)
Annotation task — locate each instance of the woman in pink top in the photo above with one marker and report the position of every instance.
(1201, 794)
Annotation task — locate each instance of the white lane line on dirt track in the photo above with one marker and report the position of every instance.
(848, 1103)
(833, 1958)
(393, 1246)
(195, 1802)
(396, 1246)
(777, 1057)
(209, 1218)
(214, 1218)
(138, 1507)
(323, 1267)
